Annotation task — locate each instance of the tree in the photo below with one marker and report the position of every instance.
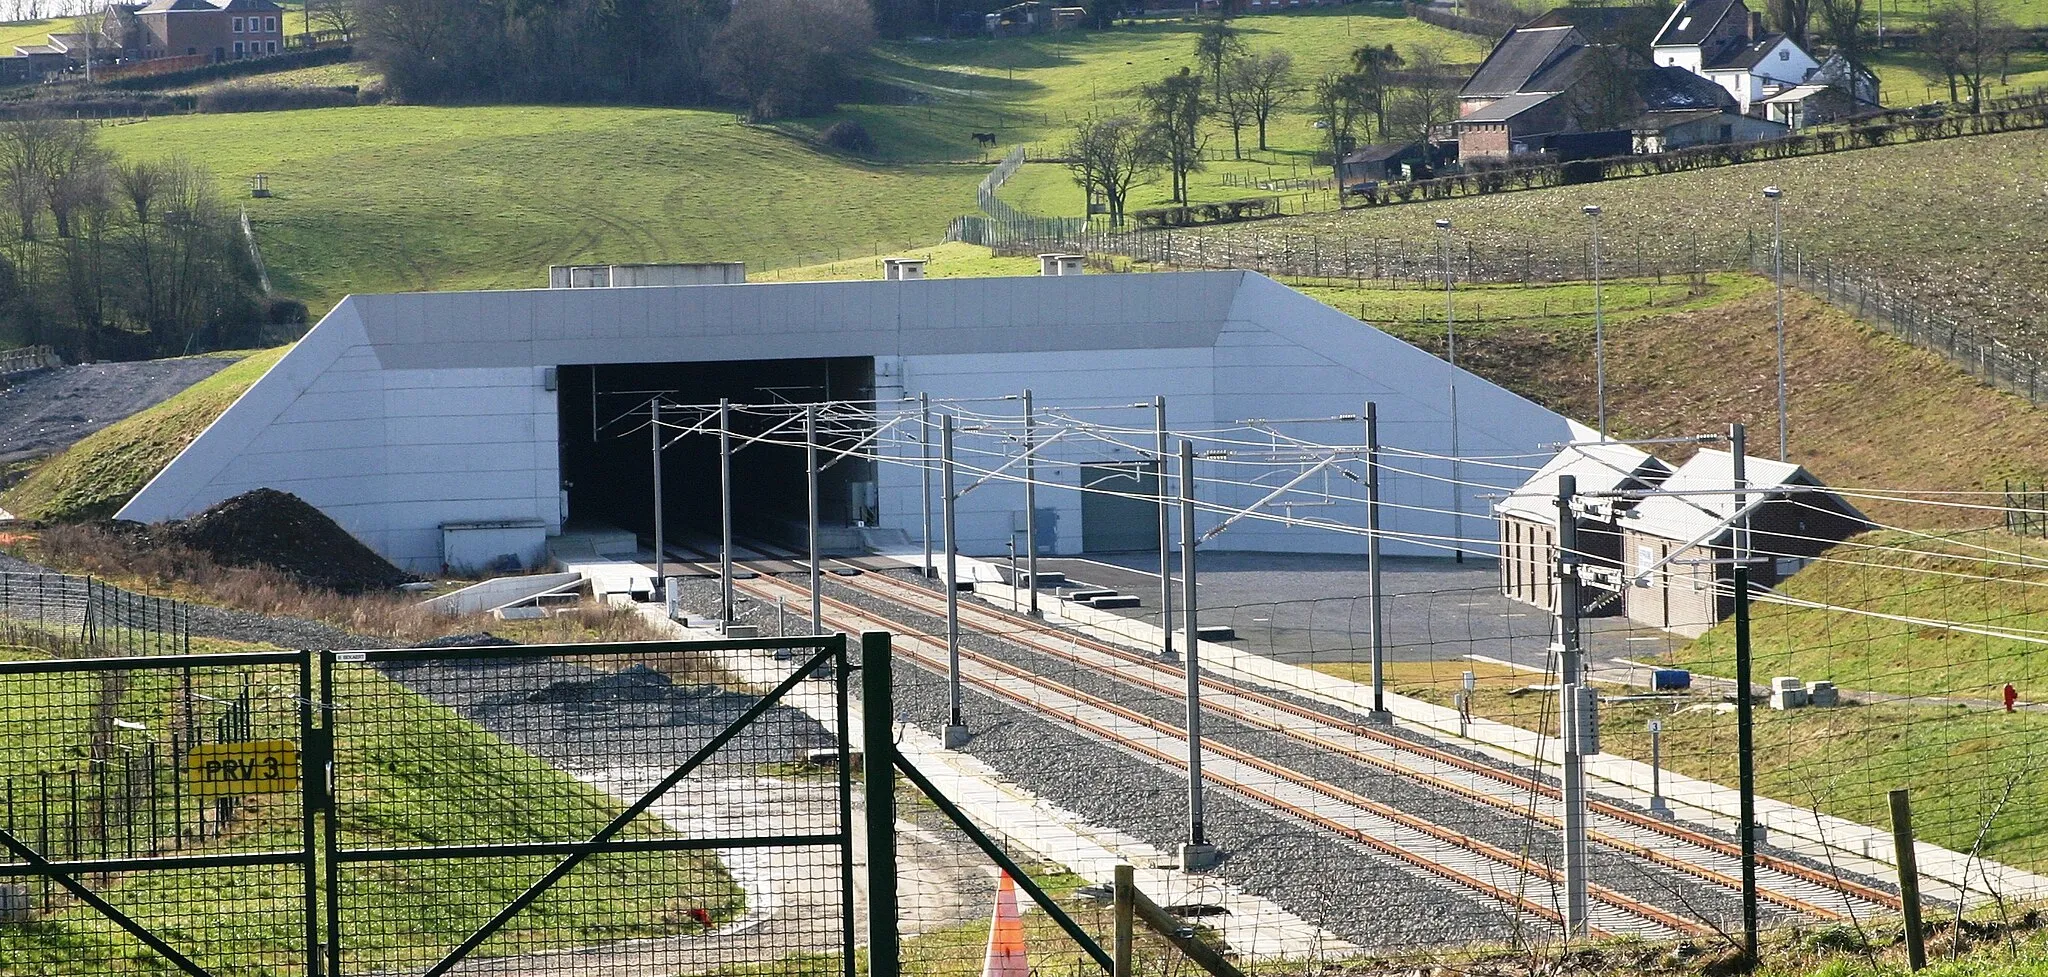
(1430, 97)
(1791, 18)
(1338, 109)
(790, 57)
(1174, 109)
(1607, 95)
(1842, 25)
(1215, 45)
(1372, 76)
(338, 16)
(1265, 83)
(1238, 111)
(1968, 40)
(1112, 157)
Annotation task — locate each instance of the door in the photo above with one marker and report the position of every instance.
(1119, 513)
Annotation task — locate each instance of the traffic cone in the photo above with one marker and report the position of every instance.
(1006, 935)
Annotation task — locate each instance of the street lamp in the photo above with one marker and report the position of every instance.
(1773, 194)
(1451, 354)
(1599, 326)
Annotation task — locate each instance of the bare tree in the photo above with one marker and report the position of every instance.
(1174, 108)
(1430, 97)
(1215, 46)
(1791, 18)
(1842, 25)
(1338, 110)
(790, 57)
(1238, 112)
(1265, 83)
(1372, 76)
(1969, 39)
(338, 16)
(1112, 157)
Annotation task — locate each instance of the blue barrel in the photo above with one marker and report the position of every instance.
(1670, 679)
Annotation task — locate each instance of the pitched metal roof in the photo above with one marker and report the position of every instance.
(1748, 55)
(1797, 93)
(1509, 107)
(1693, 21)
(170, 6)
(1518, 58)
(1598, 467)
(1669, 88)
(1689, 517)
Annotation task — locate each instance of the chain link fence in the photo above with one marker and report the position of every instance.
(81, 617)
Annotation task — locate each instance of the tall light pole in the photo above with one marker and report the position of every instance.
(1773, 194)
(1599, 325)
(1451, 354)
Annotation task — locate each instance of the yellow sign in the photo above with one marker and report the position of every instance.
(242, 769)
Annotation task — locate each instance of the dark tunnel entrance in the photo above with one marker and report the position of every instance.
(606, 455)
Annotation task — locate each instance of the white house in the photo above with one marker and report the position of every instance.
(1724, 42)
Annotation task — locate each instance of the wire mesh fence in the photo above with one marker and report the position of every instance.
(73, 616)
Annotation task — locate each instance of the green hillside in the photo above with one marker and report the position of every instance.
(398, 198)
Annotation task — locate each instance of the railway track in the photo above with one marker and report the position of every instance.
(1517, 880)
(1789, 884)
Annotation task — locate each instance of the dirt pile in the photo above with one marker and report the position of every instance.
(278, 530)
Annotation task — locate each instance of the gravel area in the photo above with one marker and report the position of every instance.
(50, 411)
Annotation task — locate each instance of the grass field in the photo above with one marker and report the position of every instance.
(1952, 223)
(95, 477)
(396, 198)
(418, 775)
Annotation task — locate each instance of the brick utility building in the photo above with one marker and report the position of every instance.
(1675, 547)
(409, 417)
(218, 30)
(1528, 519)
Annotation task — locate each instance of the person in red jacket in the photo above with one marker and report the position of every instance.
(2012, 695)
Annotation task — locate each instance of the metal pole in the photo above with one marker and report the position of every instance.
(1909, 878)
(1372, 560)
(1197, 853)
(1739, 460)
(660, 541)
(725, 509)
(1014, 582)
(1657, 805)
(1030, 508)
(924, 474)
(811, 467)
(1457, 488)
(1745, 758)
(1570, 720)
(1165, 533)
(1778, 275)
(1599, 329)
(878, 783)
(956, 727)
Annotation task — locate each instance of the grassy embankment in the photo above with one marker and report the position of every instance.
(416, 774)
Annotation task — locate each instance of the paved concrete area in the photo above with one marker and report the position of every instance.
(1311, 608)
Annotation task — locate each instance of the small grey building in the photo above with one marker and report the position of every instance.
(1528, 519)
(1675, 547)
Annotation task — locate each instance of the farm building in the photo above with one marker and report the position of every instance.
(1675, 547)
(1528, 517)
(408, 417)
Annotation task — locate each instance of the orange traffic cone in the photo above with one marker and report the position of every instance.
(1006, 935)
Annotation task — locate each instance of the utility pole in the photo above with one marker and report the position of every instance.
(1372, 561)
(1197, 853)
(811, 469)
(1745, 743)
(924, 474)
(1773, 194)
(725, 509)
(1576, 714)
(1451, 355)
(1599, 326)
(956, 726)
(1030, 508)
(1165, 533)
(660, 542)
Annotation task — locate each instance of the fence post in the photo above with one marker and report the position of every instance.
(1909, 878)
(878, 776)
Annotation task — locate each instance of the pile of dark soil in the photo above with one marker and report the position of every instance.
(278, 530)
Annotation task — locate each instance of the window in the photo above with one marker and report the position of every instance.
(1784, 55)
(238, 49)
(272, 47)
(270, 25)
(238, 26)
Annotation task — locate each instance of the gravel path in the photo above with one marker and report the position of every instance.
(50, 411)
